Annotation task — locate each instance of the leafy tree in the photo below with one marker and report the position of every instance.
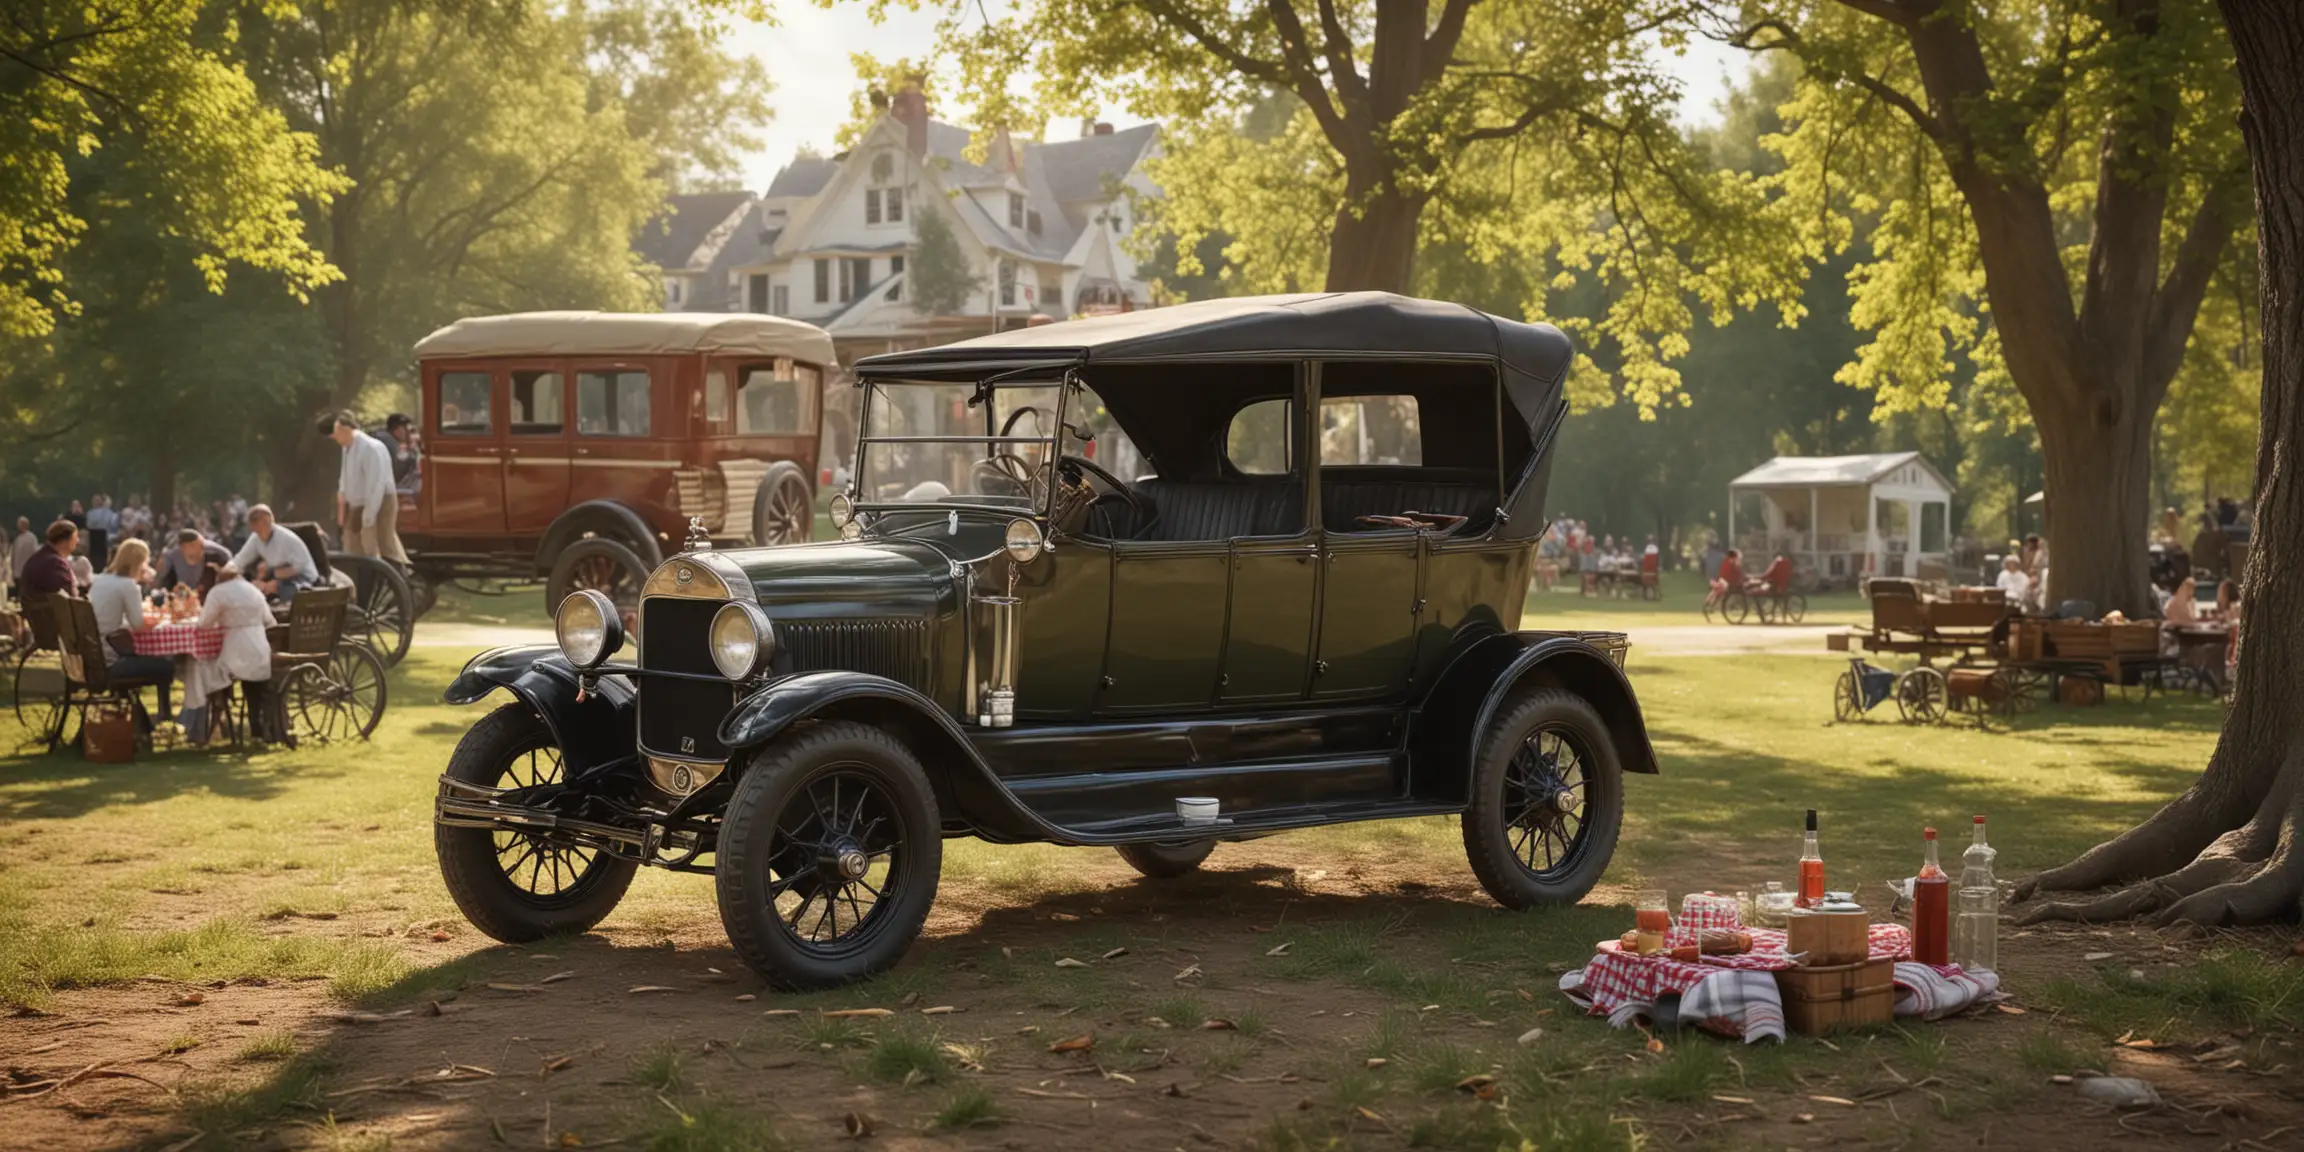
(2055, 185)
(1328, 141)
(2231, 848)
(939, 277)
(80, 75)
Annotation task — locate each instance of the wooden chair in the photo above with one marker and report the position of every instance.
(87, 679)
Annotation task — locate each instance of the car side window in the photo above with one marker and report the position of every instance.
(1258, 443)
(464, 404)
(776, 398)
(539, 403)
(612, 403)
(1371, 430)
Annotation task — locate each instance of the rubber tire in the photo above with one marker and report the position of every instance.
(787, 475)
(1487, 842)
(1166, 861)
(563, 578)
(468, 855)
(740, 876)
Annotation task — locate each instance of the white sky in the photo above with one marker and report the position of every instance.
(806, 54)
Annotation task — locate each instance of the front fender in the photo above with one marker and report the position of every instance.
(966, 786)
(593, 732)
(1445, 729)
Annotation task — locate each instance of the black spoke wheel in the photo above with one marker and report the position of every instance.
(829, 856)
(1168, 859)
(1547, 801)
(522, 886)
(1847, 697)
(36, 682)
(784, 508)
(606, 566)
(1795, 608)
(383, 610)
(338, 699)
(1736, 608)
(1922, 696)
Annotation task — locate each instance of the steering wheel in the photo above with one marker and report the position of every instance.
(1138, 514)
(1006, 468)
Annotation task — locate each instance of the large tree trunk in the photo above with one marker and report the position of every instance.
(2098, 465)
(2227, 851)
(1375, 247)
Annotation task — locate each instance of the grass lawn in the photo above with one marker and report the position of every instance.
(318, 865)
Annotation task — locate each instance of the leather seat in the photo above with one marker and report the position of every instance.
(1221, 510)
(1343, 502)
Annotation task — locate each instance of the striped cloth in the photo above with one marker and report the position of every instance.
(1736, 995)
(180, 640)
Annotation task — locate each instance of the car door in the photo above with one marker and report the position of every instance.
(617, 452)
(1167, 634)
(536, 448)
(464, 481)
(1275, 578)
(1368, 574)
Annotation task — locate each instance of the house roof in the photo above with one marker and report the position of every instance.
(1832, 471)
(629, 334)
(1077, 169)
(671, 241)
(804, 176)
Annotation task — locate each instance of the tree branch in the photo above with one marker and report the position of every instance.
(1788, 40)
(1338, 44)
(1440, 46)
(1890, 10)
(2176, 303)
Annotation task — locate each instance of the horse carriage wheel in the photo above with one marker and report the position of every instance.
(1922, 696)
(1794, 609)
(2013, 690)
(40, 711)
(1847, 698)
(1766, 608)
(1736, 608)
(383, 611)
(340, 698)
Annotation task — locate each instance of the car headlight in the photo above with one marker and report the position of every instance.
(589, 628)
(842, 510)
(1024, 542)
(742, 640)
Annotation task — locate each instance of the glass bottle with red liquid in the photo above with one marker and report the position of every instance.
(1931, 907)
(1811, 867)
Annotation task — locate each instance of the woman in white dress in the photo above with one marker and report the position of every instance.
(237, 607)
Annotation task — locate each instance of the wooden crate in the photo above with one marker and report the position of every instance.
(1830, 998)
(1836, 641)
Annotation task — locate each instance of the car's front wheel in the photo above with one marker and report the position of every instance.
(829, 856)
(1547, 800)
(1166, 861)
(522, 886)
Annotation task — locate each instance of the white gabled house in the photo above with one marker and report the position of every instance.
(1039, 226)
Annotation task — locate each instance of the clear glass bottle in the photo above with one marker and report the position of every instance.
(1976, 923)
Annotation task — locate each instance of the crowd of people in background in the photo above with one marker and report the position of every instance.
(1569, 546)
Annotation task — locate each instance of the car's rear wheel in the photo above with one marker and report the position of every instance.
(1547, 800)
(784, 509)
(828, 857)
(522, 886)
(609, 567)
(1166, 861)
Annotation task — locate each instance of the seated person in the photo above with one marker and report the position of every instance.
(2183, 606)
(193, 561)
(1731, 572)
(1651, 558)
(49, 571)
(2013, 583)
(1777, 579)
(118, 599)
(274, 558)
(237, 607)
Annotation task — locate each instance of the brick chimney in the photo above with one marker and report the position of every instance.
(910, 108)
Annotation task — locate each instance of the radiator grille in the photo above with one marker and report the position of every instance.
(681, 718)
(896, 649)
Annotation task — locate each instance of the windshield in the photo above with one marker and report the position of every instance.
(934, 444)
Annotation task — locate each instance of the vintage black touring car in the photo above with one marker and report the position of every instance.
(1303, 608)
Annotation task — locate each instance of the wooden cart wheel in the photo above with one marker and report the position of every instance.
(784, 509)
(383, 610)
(1795, 608)
(1765, 607)
(1847, 697)
(338, 699)
(1737, 608)
(1922, 696)
(2012, 691)
(37, 688)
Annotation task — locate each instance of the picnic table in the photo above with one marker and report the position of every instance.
(180, 639)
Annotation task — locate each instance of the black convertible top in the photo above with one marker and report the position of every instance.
(1534, 357)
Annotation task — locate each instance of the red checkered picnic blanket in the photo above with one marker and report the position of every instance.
(180, 640)
(1617, 977)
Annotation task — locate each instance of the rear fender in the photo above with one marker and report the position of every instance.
(966, 787)
(607, 518)
(1444, 732)
(593, 732)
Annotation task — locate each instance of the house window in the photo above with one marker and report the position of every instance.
(893, 199)
(1032, 222)
(672, 289)
(1007, 283)
(883, 166)
(1118, 224)
(756, 292)
(855, 276)
(1051, 297)
(783, 297)
(1015, 210)
(895, 265)
(871, 205)
(823, 280)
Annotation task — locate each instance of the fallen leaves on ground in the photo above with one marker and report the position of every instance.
(637, 989)
(1080, 1043)
(859, 1013)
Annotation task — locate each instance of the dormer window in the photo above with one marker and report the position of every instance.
(883, 205)
(1032, 221)
(871, 205)
(1015, 209)
(883, 168)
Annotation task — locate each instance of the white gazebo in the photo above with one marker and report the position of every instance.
(1846, 517)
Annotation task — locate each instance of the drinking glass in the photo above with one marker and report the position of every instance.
(1651, 919)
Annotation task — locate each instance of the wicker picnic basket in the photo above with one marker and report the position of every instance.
(1829, 998)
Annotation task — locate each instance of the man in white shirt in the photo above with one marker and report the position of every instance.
(103, 529)
(367, 505)
(276, 559)
(2013, 583)
(21, 548)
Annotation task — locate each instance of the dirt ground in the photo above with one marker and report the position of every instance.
(601, 1040)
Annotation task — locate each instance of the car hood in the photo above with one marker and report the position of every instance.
(851, 579)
